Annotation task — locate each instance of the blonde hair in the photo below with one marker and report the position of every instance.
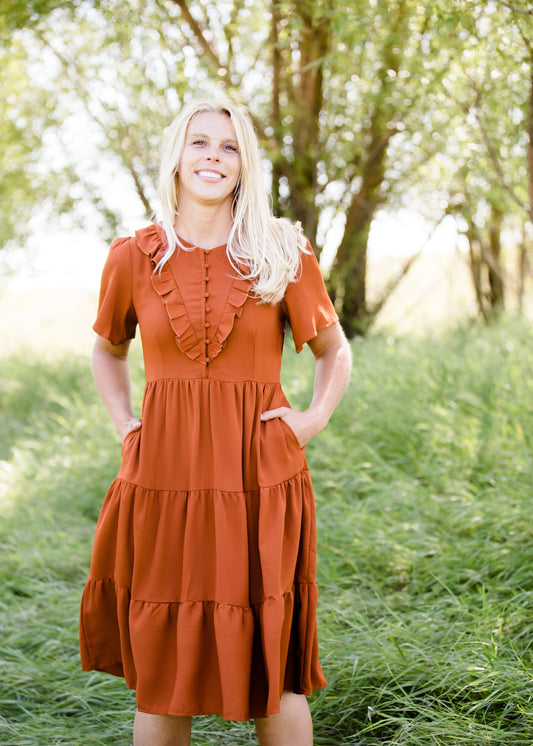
(260, 247)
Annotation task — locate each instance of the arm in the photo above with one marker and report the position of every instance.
(112, 377)
(333, 363)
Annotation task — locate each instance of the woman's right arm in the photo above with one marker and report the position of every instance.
(112, 377)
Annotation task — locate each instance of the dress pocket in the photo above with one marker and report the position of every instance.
(130, 436)
(289, 433)
(279, 456)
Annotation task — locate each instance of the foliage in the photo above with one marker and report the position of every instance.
(483, 166)
(15, 14)
(423, 480)
(26, 178)
(360, 106)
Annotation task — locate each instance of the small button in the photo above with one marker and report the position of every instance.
(208, 309)
(207, 324)
(206, 294)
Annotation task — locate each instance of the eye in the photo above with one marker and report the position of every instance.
(199, 141)
(232, 148)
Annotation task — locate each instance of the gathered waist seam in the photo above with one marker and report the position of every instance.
(212, 380)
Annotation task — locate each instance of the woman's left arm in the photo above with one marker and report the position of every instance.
(333, 362)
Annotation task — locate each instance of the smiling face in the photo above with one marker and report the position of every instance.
(210, 164)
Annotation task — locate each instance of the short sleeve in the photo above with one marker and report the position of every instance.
(307, 305)
(116, 319)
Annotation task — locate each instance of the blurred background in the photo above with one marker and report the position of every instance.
(398, 133)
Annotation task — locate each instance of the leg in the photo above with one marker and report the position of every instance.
(292, 726)
(161, 730)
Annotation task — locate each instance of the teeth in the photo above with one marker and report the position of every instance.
(210, 174)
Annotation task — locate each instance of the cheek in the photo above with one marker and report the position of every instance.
(238, 172)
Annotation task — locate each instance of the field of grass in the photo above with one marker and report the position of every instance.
(424, 482)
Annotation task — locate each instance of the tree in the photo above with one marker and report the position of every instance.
(97, 109)
(26, 180)
(344, 86)
(359, 106)
(493, 140)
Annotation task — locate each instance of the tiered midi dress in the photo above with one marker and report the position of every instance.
(202, 587)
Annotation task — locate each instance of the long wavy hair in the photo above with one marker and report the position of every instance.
(260, 247)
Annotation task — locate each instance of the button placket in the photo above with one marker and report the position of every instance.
(206, 308)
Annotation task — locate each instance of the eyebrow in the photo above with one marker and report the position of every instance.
(225, 139)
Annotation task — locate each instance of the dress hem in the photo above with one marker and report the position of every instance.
(199, 712)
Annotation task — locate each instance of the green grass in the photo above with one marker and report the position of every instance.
(424, 482)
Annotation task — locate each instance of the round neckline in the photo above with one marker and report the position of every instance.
(188, 246)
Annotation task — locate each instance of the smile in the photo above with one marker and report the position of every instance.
(210, 174)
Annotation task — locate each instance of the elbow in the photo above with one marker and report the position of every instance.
(343, 351)
(339, 358)
(342, 354)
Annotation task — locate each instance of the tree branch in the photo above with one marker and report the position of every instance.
(138, 186)
(69, 66)
(395, 281)
(193, 24)
(495, 160)
(512, 7)
(530, 141)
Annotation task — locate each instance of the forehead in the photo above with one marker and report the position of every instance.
(212, 123)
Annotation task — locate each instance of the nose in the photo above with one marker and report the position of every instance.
(212, 153)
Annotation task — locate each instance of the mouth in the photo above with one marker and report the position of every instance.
(214, 175)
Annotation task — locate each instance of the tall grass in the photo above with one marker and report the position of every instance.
(424, 483)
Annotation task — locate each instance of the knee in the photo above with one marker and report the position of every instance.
(161, 730)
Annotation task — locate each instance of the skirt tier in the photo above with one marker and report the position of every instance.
(221, 624)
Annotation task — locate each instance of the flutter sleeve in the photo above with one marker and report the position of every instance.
(307, 305)
(116, 319)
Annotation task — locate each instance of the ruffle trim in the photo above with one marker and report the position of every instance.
(186, 337)
(201, 657)
(235, 301)
(152, 242)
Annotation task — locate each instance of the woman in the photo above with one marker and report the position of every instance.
(202, 587)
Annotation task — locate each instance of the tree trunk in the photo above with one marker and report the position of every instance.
(522, 270)
(530, 137)
(349, 291)
(347, 283)
(275, 117)
(485, 264)
(314, 46)
(493, 260)
(302, 88)
(474, 241)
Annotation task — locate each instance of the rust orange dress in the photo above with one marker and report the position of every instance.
(202, 589)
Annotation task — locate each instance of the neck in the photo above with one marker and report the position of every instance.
(204, 227)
